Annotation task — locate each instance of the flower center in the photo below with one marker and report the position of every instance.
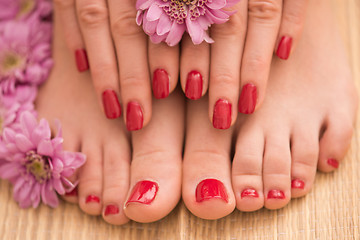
(11, 61)
(178, 10)
(26, 6)
(38, 166)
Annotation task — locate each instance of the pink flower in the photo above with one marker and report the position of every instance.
(36, 164)
(167, 20)
(21, 9)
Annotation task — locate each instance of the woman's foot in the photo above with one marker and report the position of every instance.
(305, 123)
(111, 182)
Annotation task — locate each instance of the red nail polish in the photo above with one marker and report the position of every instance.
(111, 104)
(81, 58)
(276, 194)
(160, 84)
(297, 183)
(143, 192)
(210, 189)
(332, 162)
(92, 198)
(73, 193)
(284, 48)
(194, 85)
(248, 98)
(249, 193)
(111, 210)
(222, 114)
(134, 116)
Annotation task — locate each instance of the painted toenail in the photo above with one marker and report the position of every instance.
(222, 114)
(332, 162)
(249, 193)
(134, 116)
(111, 210)
(297, 183)
(160, 84)
(111, 104)
(194, 85)
(81, 59)
(144, 192)
(276, 194)
(73, 193)
(210, 189)
(92, 199)
(248, 98)
(284, 49)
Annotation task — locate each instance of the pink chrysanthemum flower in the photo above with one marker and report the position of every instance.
(167, 20)
(21, 9)
(25, 53)
(36, 164)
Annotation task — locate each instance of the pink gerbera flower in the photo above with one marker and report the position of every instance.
(20, 9)
(36, 164)
(167, 20)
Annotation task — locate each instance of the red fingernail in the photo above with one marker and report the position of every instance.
(194, 85)
(284, 48)
(276, 194)
(249, 193)
(332, 162)
(248, 98)
(297, 183)
(81, 58)
(134, 116)
(92, 198)
(143, 192)
(73, 193)
(160, 84)
(222, 114)
(111, 210)
(111, 104)
(209, 189)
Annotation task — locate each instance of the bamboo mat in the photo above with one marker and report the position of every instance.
(330, 211)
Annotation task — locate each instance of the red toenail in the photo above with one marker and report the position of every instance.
(276, 194)
(194, 85)
(297, 183)
(248, 98)
(284, 48)
(92, 198)
(111, 210)
(249, 193)
(73, 193)
(134, 116)
(82, 62)
(143, 192)
(160, 84)
(111, 104)
(222, 114)
(209, 189)
(332, 162)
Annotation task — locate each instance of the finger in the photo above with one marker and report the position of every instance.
(131, 48)
(73, 38)
(263, 26)
(293, 17)
(94, 22)
(226, 55)
(164, 66)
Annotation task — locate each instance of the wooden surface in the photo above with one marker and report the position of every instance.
(330, 211)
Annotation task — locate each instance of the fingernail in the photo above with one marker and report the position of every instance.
(276, 194)
(134, 116)
(248, 98)
(194, 85)
(111, 104)
(297, 183)
(73, 193)
(143, 192)
(222, 114)
(284, 48)
(332, 162)
(92, 198)
(210, 189)
(160, 84)
(81, 58)
(111, 210)
(249, 193)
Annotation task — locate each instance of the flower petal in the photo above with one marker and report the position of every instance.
(23, 143)
(164, 25)
(45, 148)
(216, 4)
(154, 13)
(175, 34)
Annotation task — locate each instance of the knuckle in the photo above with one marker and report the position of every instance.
(64, 3)
(132, 82)
(224, 79)
(125, 24)
(293, 17)
(101, 70)
(93, 15)
(234, 27)
(256, 63)
(264, 9)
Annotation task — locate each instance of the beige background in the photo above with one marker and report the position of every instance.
(330, 211)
